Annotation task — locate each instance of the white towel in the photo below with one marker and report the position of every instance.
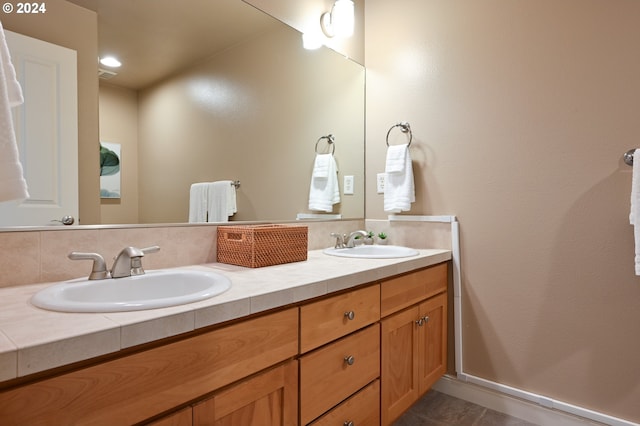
(324, 190)
(396, 159)
(399, 189)
(221, 201)
(634, 215)
(212, 201)
(12, 183)
(198, 196)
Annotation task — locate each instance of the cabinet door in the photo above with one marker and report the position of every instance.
(432, 341)
(268, 399)
(400, 370)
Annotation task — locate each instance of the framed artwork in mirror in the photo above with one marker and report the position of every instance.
(110, 167)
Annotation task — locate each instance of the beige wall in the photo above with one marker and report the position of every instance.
(521, 111)
(252, 113)
(119, 124)
(76, 28)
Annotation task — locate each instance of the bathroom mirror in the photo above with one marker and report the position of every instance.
(251, 111)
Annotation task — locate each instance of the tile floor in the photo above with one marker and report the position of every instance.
(439, 409)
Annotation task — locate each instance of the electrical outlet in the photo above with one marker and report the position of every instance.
(348, 185)
(380, 182)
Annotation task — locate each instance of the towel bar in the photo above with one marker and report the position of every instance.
(330, 140)
(628, 157)
(405, 128)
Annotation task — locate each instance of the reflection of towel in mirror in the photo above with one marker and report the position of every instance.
(221, 201)
(12, 183)
(399, 189)
(212, 201)
(634, 215)
(324, 191)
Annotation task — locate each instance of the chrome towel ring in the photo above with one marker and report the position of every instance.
(330, 140)
(405, 128)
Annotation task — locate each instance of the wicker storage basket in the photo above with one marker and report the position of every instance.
(255, 246)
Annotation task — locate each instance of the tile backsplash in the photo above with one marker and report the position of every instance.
(40, 255)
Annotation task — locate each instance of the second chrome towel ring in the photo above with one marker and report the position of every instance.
(330, 140)
(405, 128)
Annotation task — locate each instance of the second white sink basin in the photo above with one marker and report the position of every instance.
(154, 289)
(373, 252)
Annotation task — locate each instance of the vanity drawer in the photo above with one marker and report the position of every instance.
(406, 290)
(362, 408)
(332, 373)
(337, 316)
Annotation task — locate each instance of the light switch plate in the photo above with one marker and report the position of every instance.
(348, 185)
(380, 182)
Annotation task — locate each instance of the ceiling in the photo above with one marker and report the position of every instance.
(156, 38)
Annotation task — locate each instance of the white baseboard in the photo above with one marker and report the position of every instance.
(521, 408)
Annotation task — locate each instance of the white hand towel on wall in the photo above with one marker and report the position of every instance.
(399, 189)
(634, 215)
(324, 190)
(12, 183)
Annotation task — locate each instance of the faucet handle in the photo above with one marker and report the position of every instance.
(152, 249)
(339, 240)
(99, 270)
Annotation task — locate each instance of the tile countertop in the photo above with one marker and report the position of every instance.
(34, 340)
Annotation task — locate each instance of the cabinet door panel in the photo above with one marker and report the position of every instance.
(433, 341)
(400, 374)
(332, 318)
(268, 399)
(326, 378)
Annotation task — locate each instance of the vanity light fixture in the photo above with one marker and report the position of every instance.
(110, 61)
(340, 21)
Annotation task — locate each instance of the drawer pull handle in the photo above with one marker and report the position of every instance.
(348, 423)
(350, 315)
(349, 359)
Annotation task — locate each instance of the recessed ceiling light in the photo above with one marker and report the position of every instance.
(110, 61)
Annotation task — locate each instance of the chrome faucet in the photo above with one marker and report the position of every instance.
(129, 261)
(350, 240)
(339, 239)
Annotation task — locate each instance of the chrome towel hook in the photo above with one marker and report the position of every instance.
(330, 140)
(628, 157)
(405, 128)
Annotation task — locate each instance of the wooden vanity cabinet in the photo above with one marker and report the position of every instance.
(136, 387)
(413, 338)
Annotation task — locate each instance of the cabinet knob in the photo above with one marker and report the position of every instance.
(425, 319)
(349, 359)
(348, 423)
(420, 322)
(350, 315)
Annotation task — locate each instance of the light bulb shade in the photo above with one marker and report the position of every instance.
(342, 18)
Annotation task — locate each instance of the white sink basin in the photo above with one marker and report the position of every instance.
(154, 289)
(372, 252)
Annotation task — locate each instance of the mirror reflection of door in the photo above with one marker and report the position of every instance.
(46, 131)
